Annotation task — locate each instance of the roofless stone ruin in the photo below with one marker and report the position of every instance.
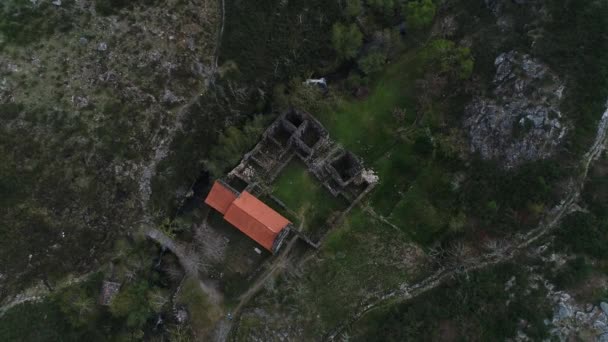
(294, 134)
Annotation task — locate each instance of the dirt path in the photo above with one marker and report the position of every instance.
(220, 33)
(223, 329)
(188, 262)
(507, 251)
(279, 263)
(39, 292)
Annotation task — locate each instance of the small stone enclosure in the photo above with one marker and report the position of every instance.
(298, 134)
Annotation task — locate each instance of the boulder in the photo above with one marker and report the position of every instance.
(604, 307)
(562, 311)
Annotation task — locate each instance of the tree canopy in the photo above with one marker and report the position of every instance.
(346, 40)
(372, 62)
(419, 13)
(448, 58)
(353, 8)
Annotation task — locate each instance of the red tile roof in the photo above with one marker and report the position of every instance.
(220, 197)
(248, 214)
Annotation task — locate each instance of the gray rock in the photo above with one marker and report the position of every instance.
(495, 6)
(102, 46)
(521, 120)
(80, 101)
(181, 315)
(56, 2)
(170, 98)
(83, 41)
(563, 311)
(601, 326)
(604, 307)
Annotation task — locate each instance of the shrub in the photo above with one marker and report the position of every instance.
(445, 57)
(573, 273)
(418, 216)
(233, 143)
(10, 110)
(78, 306)
(477, 308)
(202, 312)
(574, 42)
(22, 23)
(372, 63)
(353, 8)
(346, 40)
(132, 303)
(382, 6)
(109, 7)
(420, 13)
(491, 189)
(583, 233)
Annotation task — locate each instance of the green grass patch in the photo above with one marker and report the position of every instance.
(368, 127)
(202, 313)
(413, 191)
(36, 322)
(397, 170)
(23, 23)
(68, 314)
(362, 256)
(301, 192)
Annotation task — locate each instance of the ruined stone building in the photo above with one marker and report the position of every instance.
(294, 134)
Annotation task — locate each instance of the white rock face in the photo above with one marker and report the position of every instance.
(369, 176)
(521, 121)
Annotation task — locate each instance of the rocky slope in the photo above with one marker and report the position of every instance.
(522, 121)
(87, 112)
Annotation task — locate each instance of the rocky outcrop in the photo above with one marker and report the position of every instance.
(521, 120)
(571, 320)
